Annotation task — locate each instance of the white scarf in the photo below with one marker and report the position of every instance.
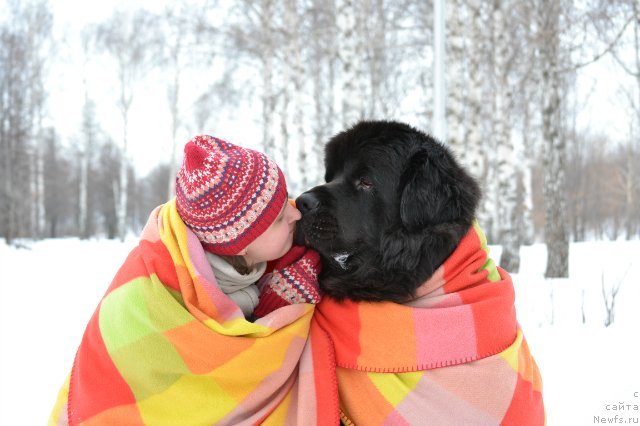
(240, 288)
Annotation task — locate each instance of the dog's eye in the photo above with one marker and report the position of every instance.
(364, 183)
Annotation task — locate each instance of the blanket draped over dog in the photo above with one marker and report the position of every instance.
(453, 356)
(167, 347)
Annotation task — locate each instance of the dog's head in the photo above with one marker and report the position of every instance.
(394, 206)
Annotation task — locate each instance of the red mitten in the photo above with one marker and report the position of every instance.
(294, 281)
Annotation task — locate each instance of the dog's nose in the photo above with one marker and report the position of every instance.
(307, 203)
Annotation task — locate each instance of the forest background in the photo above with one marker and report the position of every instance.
(543, 104)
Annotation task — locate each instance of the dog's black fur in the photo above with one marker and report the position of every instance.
(395, 205)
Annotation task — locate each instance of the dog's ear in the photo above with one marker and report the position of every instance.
(435, 189)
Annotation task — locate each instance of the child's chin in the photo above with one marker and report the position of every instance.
(287, 247)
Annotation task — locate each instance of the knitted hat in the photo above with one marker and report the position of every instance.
(227, 195)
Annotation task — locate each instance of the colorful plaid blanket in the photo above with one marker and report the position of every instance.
(453, 356)
(166, 347)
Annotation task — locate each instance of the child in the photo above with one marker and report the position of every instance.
(235, 201)
(184, 335)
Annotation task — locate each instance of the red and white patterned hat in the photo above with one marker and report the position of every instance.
(228, 195)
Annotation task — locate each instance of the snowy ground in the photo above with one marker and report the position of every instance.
(49, 290)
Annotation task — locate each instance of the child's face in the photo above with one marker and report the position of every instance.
(276, 240)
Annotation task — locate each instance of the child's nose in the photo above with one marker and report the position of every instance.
(294, 214)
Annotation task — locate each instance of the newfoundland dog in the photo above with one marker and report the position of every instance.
(394, 206)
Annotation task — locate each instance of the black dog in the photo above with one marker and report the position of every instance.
(394, 207)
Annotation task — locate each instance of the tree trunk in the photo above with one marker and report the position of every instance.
(351, 56)
(299, 108)
(633, 180)
(88, 130)
(174, 99)
(40, 220)
(456, 76)
(629, 191)
(473, 155)
(490, 209)
(525, 159)
(554, 146)
(268, 95)
(8, 204)
(507, 233)
(82, 195)
(286, 90)
(121, 203)
(322, 71)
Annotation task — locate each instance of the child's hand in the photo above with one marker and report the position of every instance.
(294, 280)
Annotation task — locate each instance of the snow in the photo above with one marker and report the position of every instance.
(49, 290)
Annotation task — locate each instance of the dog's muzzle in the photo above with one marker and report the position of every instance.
(317, 225)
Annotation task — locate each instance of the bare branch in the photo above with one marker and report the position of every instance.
(597, 57)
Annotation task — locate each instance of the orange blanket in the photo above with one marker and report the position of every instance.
(454, 355)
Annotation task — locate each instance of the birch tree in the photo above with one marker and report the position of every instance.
(628, 185)
(129, 41)
(14, 136)
(26, 47)
(422, 41)
(40, 23)
(473, 155)
(293, 102)
(630, 63)
(506, 206)
(88, 136)
(527, 99)
(350, 53)
(554, 148)
(525, 158)
(489, 211)
(59, 189)
(456, 75)
(322, 72)
(254, 35)
(173, 99)
(175, 53)
(107, 173)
